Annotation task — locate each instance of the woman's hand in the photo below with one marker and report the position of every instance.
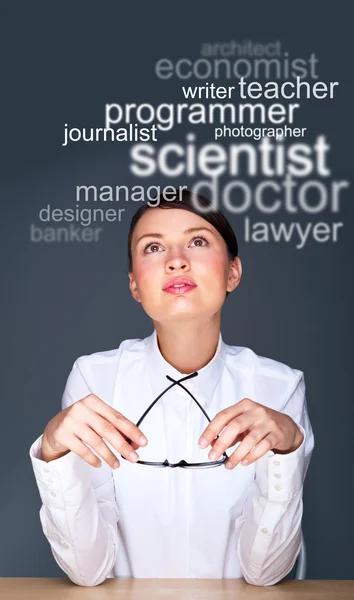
(89, 420)
(257, 427)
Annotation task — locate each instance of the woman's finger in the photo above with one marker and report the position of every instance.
(106, 430)
(119, 421)
(90, 437)
(252, 440)
(133, 444)
(239, 438)
(260, 449)
(77, 446)
(230, 434)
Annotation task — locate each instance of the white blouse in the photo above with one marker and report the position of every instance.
(147, 522)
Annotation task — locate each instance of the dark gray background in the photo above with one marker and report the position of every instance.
(62, 63)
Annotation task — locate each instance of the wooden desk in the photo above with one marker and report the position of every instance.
(173, 589)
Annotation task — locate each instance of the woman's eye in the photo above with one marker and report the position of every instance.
(200, 238)
(149, 247)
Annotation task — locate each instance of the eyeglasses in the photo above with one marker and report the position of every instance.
(182, 463)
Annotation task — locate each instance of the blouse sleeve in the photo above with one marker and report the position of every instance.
(269, 530)
(79, 513)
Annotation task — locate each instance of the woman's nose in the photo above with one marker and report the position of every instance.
(176, 260)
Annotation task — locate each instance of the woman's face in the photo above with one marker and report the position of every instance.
(200, 255)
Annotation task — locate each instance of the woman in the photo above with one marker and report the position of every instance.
(173, 509)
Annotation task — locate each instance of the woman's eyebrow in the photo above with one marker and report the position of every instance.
(186, 232)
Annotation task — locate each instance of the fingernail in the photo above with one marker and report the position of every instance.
(134, 456)
(143, 440)
(213, 455)
(245, 461)
(202, 442)
(228, 465)
(116, 465)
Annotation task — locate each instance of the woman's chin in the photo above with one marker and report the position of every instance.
(174, 307)
(183, 312)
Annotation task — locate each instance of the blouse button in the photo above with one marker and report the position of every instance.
(278, 488)
(276, 463)
(277, 475)
(53, 494)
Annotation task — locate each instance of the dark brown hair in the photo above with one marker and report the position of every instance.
(184, 201)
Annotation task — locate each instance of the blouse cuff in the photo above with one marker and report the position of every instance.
(280, 477)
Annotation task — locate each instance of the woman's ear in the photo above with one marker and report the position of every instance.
(133, 287)
(235, 274)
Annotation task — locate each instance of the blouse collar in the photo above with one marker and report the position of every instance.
(201, 386)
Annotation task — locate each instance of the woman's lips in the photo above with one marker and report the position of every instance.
(181, 289)
(179, 285)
